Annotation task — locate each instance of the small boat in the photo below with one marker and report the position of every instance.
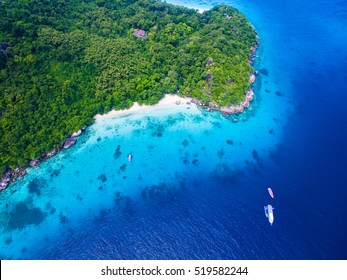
(130, 157)
(270, 192)
(269, 213)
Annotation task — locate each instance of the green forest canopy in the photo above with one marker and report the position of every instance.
(63, 61)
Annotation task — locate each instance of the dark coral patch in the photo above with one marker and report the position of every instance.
(55, 173)
(264, 71)
(63, 219)
(35, 185)
(123, 167)
(8, 240)
(278, 93)
(117, 153)
(22, 215)
(230, 142)
(157, 130)
(185, 143)
(102, 177)
(220, 153)
(52, 211)
(255, 154)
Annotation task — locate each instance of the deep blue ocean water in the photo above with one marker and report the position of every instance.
(197, 183)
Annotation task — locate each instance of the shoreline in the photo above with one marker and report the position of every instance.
(11, 175)
(167, 102)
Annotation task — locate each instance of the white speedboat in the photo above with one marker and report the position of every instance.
(269, 213)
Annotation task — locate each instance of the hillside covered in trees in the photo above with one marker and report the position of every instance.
(63, 61)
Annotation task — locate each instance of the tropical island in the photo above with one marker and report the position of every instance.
(63, 62)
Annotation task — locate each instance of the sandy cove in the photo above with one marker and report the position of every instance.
(168, 101)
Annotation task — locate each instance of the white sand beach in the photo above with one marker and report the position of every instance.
(167, 102)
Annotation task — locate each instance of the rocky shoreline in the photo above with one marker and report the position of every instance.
(11, 175)
(228, 110)
(233, 109)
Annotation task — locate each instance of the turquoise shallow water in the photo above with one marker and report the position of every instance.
(169, 147)
(196, 186)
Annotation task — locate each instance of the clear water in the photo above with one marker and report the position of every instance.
(197, 183)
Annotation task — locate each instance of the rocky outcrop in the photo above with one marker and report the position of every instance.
(5, 180)
(232, 109)
(69, 142)
(235, 109)
(35, 162)
(209, 62)
(52, 153)
(76, 134)
(228, 110)
(10, 176)
(253, 55)
(213, 105)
